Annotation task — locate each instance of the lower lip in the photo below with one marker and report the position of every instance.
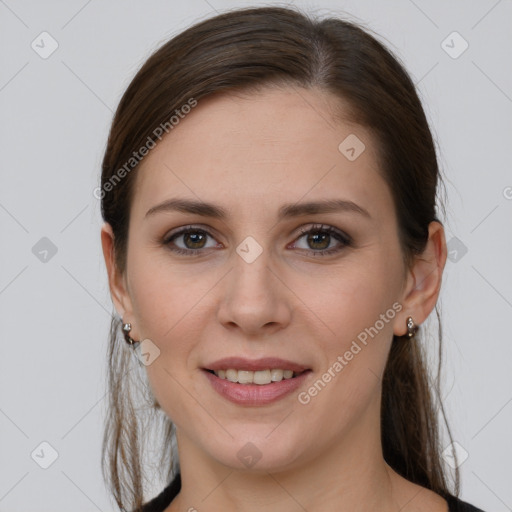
(255, 394)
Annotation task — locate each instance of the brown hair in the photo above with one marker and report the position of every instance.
(244, 50)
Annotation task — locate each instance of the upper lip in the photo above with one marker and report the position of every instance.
(265, 363)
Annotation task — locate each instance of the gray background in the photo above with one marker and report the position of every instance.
(55, 308)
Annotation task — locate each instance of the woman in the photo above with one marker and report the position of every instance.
(273, 247)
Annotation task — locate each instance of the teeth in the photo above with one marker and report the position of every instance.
(262, 377)
(259, 377)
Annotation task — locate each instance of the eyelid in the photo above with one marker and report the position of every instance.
(327, 228)
(181, 229)
(301, 230)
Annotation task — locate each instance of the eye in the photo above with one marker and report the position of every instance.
(320, 237)
(194, 240)
(191, 241)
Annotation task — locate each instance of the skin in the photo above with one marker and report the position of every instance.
(251, 154)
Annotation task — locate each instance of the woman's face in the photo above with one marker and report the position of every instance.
(252, 286)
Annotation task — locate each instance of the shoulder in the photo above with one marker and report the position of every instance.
(433, 501)
(457, 505)
(163, 500)
(416, 498)
(429, 501)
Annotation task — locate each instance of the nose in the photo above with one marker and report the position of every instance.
(255, 300)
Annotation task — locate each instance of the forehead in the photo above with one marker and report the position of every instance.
(253, 149)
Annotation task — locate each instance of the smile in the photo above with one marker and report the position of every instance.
(249, 393)
(260, 377)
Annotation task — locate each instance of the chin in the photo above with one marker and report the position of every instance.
(258, 452)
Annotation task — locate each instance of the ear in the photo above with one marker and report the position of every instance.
(117, 282)
(423, 280)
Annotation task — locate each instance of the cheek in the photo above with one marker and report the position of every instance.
(349, 299)
(166, 296)
(169, 309)
(353, 329)
(171, 306)
(359, 313)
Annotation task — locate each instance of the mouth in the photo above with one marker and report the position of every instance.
(255, 382)
(258, 377)
(253, 388)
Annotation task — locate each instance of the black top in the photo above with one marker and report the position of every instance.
(163, 500)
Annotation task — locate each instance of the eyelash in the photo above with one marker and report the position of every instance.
(344, 239)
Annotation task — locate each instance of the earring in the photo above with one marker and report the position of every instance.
(412, 328)
(126, 329)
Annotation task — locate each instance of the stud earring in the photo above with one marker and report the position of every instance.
(412, 328)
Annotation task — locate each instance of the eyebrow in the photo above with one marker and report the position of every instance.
(286, 211)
